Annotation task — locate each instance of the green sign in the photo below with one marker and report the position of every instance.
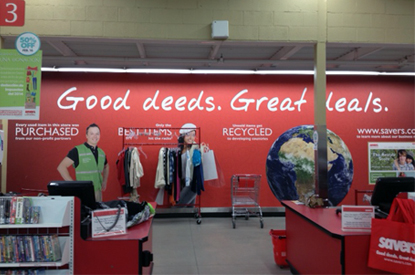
(20, 82)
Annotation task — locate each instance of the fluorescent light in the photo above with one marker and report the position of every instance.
(398, 74)
(368, 73)
(244, 72)
(298, 72)
(157, 71)
(222, 72)
(83, 70)
(351, 73)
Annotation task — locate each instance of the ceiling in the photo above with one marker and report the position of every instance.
(217, 54)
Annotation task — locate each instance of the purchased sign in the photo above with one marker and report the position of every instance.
(108, 222)
(12, 13)
(357, 218)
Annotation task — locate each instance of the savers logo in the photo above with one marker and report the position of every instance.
(396, 245)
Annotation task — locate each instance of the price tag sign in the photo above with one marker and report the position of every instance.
(108, 222)
(357, 218)
(12, 13)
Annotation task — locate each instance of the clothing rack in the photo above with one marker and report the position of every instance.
(142, 136)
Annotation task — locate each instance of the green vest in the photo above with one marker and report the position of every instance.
(88, 169)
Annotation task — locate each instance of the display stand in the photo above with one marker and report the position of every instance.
(56, 218)
(316, 243)
(130, 253)
(163, 137)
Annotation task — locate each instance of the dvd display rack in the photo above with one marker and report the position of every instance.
(55, 219)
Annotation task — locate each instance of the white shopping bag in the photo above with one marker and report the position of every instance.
(209, 165)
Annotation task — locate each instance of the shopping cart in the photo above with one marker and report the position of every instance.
(245, 194)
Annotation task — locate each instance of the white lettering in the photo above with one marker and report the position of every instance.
(259, 101)
(396, 245)
(354, 104)
(376, 102)
(122, 102)
(209, 101)
(272, 103)
(91, 101)
(180, 103)
(195, 103)
(340, 104)
(45, 131)
(252, 131)
(75, 99)
(151, 103)
(103, 105)
(286, 105)
(328, 102)
(368, 101)
(242, 104)
(165, 104)
(301, 101)
(246, 101)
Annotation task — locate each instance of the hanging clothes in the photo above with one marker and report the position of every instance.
(160, 181)
(136, 169)
(120, 167)
(198, 181)
(127, 159)
(123, 167)
(179, 175)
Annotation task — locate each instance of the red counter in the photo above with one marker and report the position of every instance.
(122, 254)
(316, 243)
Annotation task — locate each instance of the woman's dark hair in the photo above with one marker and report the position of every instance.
(180, 140)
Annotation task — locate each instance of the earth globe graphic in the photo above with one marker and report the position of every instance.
(290, 166)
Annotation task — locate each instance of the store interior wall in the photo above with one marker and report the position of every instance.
(356, 103)
(347, 21)
(377, 21)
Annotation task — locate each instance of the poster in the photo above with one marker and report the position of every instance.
(391, 159)
(244, 119)
(20, 82)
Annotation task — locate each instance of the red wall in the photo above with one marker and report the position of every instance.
(385, 102)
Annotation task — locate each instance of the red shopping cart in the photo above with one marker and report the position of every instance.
(245, 195)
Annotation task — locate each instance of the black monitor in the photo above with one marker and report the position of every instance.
(387, 188)
(84, 190)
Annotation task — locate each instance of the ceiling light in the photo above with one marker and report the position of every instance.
(245, 72)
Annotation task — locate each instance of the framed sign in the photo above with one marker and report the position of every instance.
(357, 218)
(391, 159)
(108, 222)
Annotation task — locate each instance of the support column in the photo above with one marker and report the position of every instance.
(320, 127)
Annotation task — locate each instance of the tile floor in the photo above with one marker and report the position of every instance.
(181, 246)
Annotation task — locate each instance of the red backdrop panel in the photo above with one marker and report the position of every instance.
(218, 104)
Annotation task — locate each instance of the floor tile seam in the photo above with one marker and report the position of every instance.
(193, 242)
